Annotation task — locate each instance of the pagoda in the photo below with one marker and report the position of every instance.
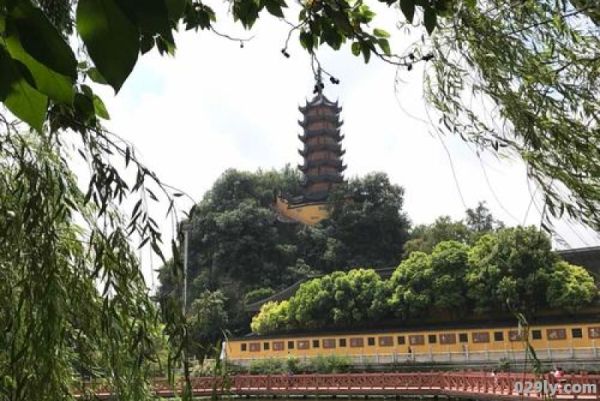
(322, 165)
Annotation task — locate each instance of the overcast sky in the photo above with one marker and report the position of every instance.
(216, 106)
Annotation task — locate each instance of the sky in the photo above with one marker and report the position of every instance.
(216, 106)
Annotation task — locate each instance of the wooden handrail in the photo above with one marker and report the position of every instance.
(502, 385)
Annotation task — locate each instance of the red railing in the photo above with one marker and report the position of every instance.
(502, 386)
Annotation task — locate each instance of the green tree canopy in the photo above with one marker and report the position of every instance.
(449, 264)
(515, 265)
(366, 208)
(411, 286)
(239, 246)
(570, 287)
(477, 222)
(510, 271)
(208, 319)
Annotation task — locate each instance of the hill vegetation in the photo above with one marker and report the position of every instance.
(509, 270)
(239, 251)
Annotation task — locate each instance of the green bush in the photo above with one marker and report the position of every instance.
(267, 366)
(330, 364)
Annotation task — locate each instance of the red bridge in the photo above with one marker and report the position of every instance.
(478, 385)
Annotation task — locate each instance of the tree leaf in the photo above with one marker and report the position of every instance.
(85, 108)
(147, 43)
(307, 40)
(408, 9)
(380, 33)
(18, 95)
(274, 8)
(41, 40)
(356, 48)
(95, 76)
(366, 51)
(57, 86)
(100, 108)
(430, 19)
(151, 16)
(111, 38)
(385, 46)
(176, 8)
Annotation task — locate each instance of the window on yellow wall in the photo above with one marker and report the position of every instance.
(498, 336)
(463, 338)
(432, 338)
(342, 342)
(315, 343)
(576, 333)
(371, 341)
(243, 347)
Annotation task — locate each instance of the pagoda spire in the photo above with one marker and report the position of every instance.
(322, 151)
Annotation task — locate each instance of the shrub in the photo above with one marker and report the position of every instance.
(267, 366)
(331, 364)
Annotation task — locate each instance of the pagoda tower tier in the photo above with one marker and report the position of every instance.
(322, 151)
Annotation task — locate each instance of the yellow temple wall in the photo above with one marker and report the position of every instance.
(310, 213)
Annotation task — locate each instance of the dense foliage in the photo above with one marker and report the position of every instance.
(73, 302)
(318, 364)
(239, 247)
(511, 270)
(477, 222)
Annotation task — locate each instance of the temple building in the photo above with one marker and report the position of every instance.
(322, 162)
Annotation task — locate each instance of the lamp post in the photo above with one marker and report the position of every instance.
(185, 227)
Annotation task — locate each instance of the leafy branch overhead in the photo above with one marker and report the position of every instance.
(42, 76)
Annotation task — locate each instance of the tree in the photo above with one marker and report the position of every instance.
(449, 262)
(367, 222)
(72, 299)
(510, 270)
(477, 222)
(506, 272)
(425, 237)
(570, 287)
(533, 69)
(258, 294)
(237, 244)
(359, 295)
(207, 323)
(273, 316)
(313, 303)
(337, 299)
(411, 286)
(480, 220)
